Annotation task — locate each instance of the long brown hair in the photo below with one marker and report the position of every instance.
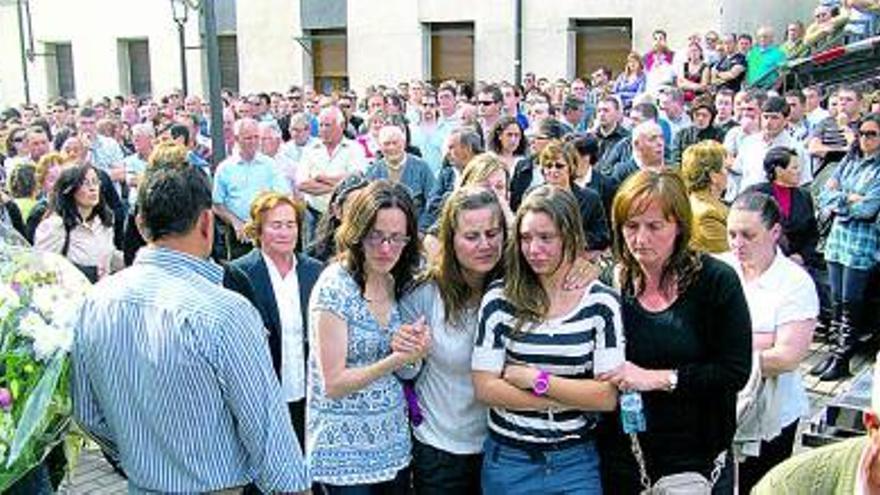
(634, 196)
(447, 271)
(522, 288)
(359, 220)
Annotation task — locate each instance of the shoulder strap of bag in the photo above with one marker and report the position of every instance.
(645, 480)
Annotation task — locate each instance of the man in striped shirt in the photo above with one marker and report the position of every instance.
(171, 371)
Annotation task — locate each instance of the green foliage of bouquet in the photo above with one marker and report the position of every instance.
(40, 295)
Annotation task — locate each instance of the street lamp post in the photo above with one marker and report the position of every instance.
(180, 12)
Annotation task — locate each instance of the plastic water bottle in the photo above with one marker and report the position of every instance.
(632, 414)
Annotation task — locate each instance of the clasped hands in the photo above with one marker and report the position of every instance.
(412, 341)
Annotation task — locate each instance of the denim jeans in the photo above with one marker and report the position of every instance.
(511, 471)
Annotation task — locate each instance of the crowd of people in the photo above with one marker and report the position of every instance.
(447, 288)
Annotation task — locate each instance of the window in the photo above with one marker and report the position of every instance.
(227, 45)
(59, 69)
(134, 67)
(329, 60)
(451, 52)
(601, 42)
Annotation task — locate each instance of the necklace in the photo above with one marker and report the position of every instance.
(395, 166)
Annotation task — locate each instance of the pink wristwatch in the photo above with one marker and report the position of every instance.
(542, 384)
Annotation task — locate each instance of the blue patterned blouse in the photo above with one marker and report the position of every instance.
(362, 438)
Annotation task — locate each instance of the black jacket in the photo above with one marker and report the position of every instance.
(800, 231)
(249, 276)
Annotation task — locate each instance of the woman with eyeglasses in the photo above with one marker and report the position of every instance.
(538, 349)
(559, 169)
(357, 432)
(852, 198)
(79, 225)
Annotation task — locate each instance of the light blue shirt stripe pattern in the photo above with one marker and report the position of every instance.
(174, 372)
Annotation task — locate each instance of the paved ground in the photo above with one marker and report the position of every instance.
(94, 476)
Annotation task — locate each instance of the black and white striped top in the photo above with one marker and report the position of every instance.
(562, 346)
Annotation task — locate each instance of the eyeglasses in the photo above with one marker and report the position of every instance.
(91, 183)
(555, 166)
(486, 103)
(18, 139)
(375, 239)
(869, 134)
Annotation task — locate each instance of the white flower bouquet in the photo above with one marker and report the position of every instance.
(40, 294)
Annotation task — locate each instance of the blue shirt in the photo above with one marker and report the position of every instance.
(362, 438)
(173, 371)
(238, 182)
(416, 176)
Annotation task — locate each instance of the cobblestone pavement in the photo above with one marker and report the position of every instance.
(94, 476)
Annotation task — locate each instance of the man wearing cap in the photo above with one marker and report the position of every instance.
(847, 467)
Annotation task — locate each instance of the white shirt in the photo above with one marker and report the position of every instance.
(784, 293)
(286, 289)
(348, 158)
(750, 160)
(454, 421)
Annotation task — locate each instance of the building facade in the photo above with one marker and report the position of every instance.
(93, 48)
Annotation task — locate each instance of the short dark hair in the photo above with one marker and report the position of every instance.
(572, 103)
(494, 91)
(647, 110)
(552, 129)
(777, 157)
(171, 198)
(23, 180)
(776, 104)
(179, 130)
(87, 112)
(761, 203)
(793, 93)
(585, 145)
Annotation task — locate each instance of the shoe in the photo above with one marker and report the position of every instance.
(847, 340)
(821, 366)
(838, 368)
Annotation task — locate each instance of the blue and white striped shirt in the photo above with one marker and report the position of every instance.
(174, 371)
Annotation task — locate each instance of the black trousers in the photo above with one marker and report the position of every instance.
(298, 419)
(436, 472)
(772, 453)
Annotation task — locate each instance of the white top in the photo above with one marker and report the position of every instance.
(784, 293)
(347, 158)
(454, 421)
(286, 289)
(750, 160)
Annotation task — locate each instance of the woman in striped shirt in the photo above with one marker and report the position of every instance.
(537, 349)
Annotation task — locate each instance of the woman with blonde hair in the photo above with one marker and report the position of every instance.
(631, 81)
(560, 169)
(538, 350)
(702, 167)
